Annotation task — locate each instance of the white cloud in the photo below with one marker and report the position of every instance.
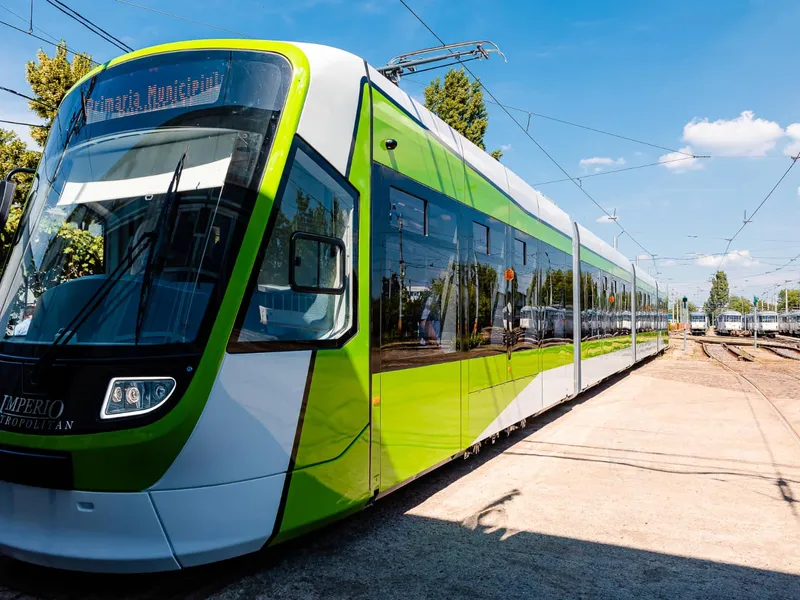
(735, 258)
(798, 190)
(598, 162)
(678, 162)
(793, 147)
(605, 219)
(505, 147)
(745, 135)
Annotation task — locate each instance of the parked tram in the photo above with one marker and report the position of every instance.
(698, 323)
(764, 323)
(304, 299)
(789, 323)
(729, 322)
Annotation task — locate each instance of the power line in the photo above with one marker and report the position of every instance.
(46, 41)
(531, 113)
(580, 177)
(25, 124)
(527, 133)
(179, 17)
(32, 99)
(24, 20)
(96, 29)
(595, 130)
(758, 208)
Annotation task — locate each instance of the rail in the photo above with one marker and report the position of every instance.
(786, 423)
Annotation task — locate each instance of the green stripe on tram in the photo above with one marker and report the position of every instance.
(331, 477)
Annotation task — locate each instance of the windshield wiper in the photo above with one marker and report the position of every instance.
(163, 226)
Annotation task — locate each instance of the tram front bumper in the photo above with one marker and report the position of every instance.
(83, 531)
(106, 532)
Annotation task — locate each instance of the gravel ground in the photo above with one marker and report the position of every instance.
(675, 481)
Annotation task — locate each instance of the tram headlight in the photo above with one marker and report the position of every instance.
(128, 396)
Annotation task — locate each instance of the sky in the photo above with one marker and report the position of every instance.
(716, 78)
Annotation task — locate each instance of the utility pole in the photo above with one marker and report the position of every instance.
(786, 296)
(755, 322)
(685, 318)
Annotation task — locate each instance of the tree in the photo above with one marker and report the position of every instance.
(718, 297)
(459, 103)
(692, 307)
(14, 153)
(794, 300)
(50, 79)
(741, 304)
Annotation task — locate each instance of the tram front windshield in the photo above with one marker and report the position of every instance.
(140, 202)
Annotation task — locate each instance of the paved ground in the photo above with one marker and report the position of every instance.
(677, 481)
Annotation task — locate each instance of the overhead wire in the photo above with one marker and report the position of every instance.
(28, 21)
(24, 124)
(578, 125)
(181, 18)
(30, 98)
(580, 177)
(46, 41)
(527, 133)
(758, 208)
(90, 25)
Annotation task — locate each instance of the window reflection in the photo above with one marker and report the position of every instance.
(417, 266)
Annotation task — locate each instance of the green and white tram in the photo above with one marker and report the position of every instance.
(306, 291)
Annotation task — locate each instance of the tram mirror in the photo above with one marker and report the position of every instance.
(318, 264)
(7, 189)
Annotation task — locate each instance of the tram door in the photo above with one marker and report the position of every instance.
(525, 329)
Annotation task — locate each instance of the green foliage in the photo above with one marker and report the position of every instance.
(741, 304)
(14, 153)
(718, 297)
(794, 300)
(459, 103)
(50, 79)
(692, 307)
(83, 251)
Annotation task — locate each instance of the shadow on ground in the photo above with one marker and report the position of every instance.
(387, 553)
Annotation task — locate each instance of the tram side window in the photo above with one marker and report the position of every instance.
(307, 296)
(524, 293)
(556, 294)
(419, 281)
(487, 312)
(590, 302)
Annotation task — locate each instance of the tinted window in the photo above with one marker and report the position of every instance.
(314, 201)
(416, 268)
(486, 302)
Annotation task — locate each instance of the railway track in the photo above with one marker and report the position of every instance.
(788, 340)
(786, 423)
(784, 352)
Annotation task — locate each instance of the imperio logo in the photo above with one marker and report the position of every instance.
(33, 414)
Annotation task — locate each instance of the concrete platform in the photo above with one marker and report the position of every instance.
(675, 481)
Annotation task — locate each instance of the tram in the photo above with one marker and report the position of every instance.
(763, 322)
(304, 300)
(698, 322)
(729, 322)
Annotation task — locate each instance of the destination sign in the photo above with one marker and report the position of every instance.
(156, 89)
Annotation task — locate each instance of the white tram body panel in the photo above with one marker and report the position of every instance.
(698, 323)
(730, 322)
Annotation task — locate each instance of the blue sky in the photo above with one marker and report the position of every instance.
(718, 77)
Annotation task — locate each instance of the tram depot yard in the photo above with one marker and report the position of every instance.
(677, 479)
